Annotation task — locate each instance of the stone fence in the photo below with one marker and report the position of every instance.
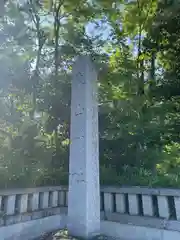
(139, 206)
(127, 212)
(28, 213)
(21, 205)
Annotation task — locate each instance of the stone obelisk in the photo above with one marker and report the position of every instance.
(84, 189)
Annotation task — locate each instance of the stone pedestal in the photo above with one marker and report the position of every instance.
(84, 190)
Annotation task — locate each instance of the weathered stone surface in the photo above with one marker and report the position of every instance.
(147, 205)
(61, 198)
(10, 205)
(23, 203)
(133, 204)
(26, 217)
(177, 207)
(120, 203)
(163, 207)
(35, 201)
(1, 221)
(12, 219)
(37, 215)
(55, 199)
(108, 202)
(84, 192)
(45, 200)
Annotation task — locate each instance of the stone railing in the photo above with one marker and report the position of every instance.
(156, 208)
(128, 206)
(29, 213)
(20, 205)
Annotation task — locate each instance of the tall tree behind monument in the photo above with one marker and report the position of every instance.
(84, 190)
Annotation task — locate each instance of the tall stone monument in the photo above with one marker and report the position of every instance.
(84, 190)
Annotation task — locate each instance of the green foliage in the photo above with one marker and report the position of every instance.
(137, 57)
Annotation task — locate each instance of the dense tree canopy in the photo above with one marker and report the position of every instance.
(135, 45)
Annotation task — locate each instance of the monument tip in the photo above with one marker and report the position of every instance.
(82, 63)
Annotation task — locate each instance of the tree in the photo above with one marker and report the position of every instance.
(138, 88)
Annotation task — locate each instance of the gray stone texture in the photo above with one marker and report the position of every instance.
(84, 192)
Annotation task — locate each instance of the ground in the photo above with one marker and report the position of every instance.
(63, 235)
